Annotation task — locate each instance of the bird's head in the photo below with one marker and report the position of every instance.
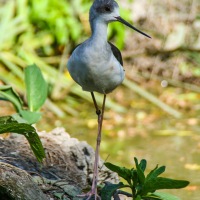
(107, 11)
(104, 10)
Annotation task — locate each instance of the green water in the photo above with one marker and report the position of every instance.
(180, 154)
(144, 131)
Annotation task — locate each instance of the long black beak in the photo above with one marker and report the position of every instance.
(130, 26)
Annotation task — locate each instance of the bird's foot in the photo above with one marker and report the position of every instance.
(90, 196)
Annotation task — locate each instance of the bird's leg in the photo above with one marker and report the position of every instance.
(98, 112)
(100, 122)
(95, 172)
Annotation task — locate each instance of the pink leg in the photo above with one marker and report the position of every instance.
(100, 114)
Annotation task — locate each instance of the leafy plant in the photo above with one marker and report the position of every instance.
(11, 124)
(36, 92)
(20, 122)
(142, 187)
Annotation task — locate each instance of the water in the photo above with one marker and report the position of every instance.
(145, 132)
(174, 152)
(180, 155)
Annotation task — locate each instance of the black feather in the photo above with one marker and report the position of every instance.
(116, 53)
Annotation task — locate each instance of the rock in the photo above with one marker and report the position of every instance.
(17, 184)
(66, 159)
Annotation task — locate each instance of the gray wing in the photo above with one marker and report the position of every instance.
(116, 53)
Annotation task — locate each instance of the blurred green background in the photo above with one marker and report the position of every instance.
(154, 115)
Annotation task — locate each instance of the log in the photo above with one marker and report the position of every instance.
(16, 184)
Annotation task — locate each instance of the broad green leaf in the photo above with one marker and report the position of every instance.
(121, 171)
(30, 117)
(143, 164)
(140, 172)
(109, 189)
(158, 183)
(36, 87)
(134, 177)
(9, 124)
(166, 196)
(155, 172)
(9, 94)
(35, 144)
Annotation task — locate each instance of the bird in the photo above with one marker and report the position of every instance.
(97, 66)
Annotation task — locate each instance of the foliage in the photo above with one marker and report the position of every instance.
(142, 187)
(10, 124)
(36, 91)
(65, 20)
(36, 87)
(61, 18)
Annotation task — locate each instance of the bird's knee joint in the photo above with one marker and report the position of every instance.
(98, 112)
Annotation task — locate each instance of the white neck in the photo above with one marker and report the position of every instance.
(99, 31)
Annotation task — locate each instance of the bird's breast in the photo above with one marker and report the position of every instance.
(96, 70)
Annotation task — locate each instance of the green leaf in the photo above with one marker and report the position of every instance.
(109, 189)
(9, 124)
(36, 87)
(138, 197)
(58, 195)
(155, 172)
(143, 164)
(151, 196)
(166, 196)
(158, 183)
(9, 94)
(6, 119)
(121, 171)
(140, 172)
(17, 117)
(30, 117)
(134, 177)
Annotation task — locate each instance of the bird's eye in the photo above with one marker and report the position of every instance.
(107, 9)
